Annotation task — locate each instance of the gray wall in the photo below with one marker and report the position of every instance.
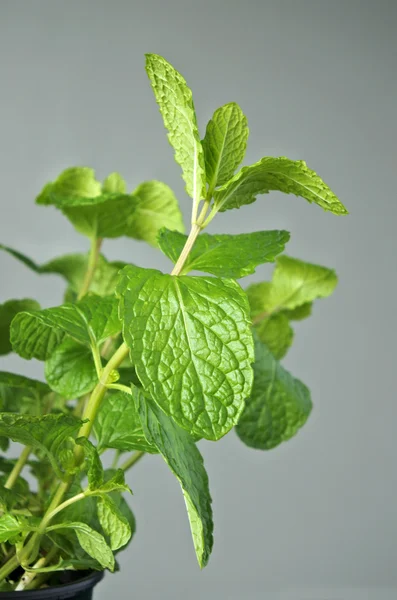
(317, 80)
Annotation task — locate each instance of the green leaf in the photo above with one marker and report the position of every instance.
(22, 258)
(8, 310)
(280, 174)
(70, 370)
(276, 332)
(176, 106)
(278, 407)
(37, 334)
(118, 426)
(294, 284)
(224, 255)
(191, 343)
(300, 312)
(73, 267)
(110, 212)
(185, 461)
(225, 143)
(93, 464)
(97, 483)
(155, 207)
(113, 522)
(114, 184)
(49, 434)
(21, 394)
(92, 542)
(12, 528)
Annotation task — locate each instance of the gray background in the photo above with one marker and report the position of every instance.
(316, 517)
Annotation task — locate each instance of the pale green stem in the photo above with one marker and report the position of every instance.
(96, 244)
(120, 387)
(132, 460)
(19, 465)
(29, 576)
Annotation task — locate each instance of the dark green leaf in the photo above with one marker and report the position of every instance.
(8, 310)
(276, 332)
(280, 174)
(22, 394)
(191, 343)
(49, 434)
(93, 464)
(278, 406)
(89, 322)
(223, 255)
(118, 426)
(185, 461)
(70, 370)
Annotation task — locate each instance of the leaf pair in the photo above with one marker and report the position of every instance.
(107, 211)
(289, 296)
(211, 163)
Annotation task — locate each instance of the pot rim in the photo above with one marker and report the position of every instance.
(66, 590)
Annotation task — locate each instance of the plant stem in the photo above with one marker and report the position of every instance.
(97, 395)
(9, 567)
(29, 576)
(19, 465)
(50, 515)
(195, 230)
(120, 387)
(132, 460)
(96, 244)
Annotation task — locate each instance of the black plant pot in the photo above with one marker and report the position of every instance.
(80, 589)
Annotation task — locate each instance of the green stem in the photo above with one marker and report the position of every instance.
(97, 395)
(19, 465)
(120, 387)
(50, 515)
(9, 567)
(96, 244)
(132, 460)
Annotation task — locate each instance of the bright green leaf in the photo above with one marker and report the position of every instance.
(49, 434)
(70, 370)
(114, 184)
(224, 255)
(296, 283)
(224, 144)
(89, 322)
(155, 207)
(92, 542)
(278, 407)
(176, 106)
(185, 461)
(113, 522)
(280, 174)
(8, 310)
(118, 426)
(191, 343)
(11, 528)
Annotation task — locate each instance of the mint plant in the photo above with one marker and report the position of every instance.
(140, 362)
